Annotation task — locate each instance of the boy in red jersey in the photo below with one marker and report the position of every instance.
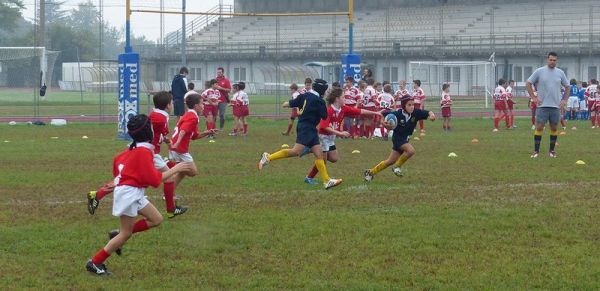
(134, 171)
(500, 105)
(210, 97)
(446, 103)
(351, 98)
(369, 99)
(385, 104)
(240, 109)
(159, 118)
(294, 114)
(331, 127)
(591, 95)
(419, 97)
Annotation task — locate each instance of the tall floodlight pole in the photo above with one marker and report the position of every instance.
(183, 59)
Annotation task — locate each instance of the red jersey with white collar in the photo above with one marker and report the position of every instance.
(160, 126)
(419, 96)
(385, 101)
(189, 124)
(369, 97)
(446, 101)
(500, 94)
(210, 95)
(398, 96)
(591, 92)
(335, 118)
(135, 167)
(223, 83)
(351, 96)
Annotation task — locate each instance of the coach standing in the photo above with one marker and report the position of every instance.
(548, 81)
(224, 88)
(178, 90)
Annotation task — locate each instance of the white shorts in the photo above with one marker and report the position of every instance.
(159, 163)
(179, 158)
(327, 142)
(573, 102)
(583, 105)
(128, 200)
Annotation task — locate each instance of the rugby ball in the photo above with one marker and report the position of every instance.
(391, 119)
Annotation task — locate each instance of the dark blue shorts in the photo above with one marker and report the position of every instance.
(399, 142)
(307, 137)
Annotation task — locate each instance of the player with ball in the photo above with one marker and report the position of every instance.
(403, 123)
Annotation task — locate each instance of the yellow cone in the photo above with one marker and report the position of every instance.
(580, 162)
(563, 133)
(474, 140)
(416, 138)
(212, 140)
(574, 128)
(285, 145)
(54, 137)
(422, 134)
(84, 137)
(452, 155)
(356, 152)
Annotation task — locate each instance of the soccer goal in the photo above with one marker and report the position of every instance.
(26, 67)
(471, 82)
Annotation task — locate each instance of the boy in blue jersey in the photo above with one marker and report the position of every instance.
(311, 109)
(573, 102)
(407, 118)
(583, 110)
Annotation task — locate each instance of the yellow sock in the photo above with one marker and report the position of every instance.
(538, 132)
(401, 161)
(320, 164)
(380, 167)
(279, 155)
(553, 132)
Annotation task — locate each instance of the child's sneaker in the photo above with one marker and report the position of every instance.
(368, 176)
(310, 181)
(111, 235)
(535, 155)
(552, 154)
(264, 160)
(99, 270)
(179, 210)
(332, 183)
(92, 202)
(397, 171)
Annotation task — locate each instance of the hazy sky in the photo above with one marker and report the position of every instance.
(147, 24)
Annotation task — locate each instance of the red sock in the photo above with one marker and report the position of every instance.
(532, 120)
(421, 125)
(598, 119)
(100, 257)
(245, 128)
(496, 121)
(353, 130)
(313, 172)
(593, 120)
(140, 225)
(105, 190)
(507, 121)
(563, 123)
(169, 191)
(289, 128)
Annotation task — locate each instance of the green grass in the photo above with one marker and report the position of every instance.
(20, 102)
(491, 218)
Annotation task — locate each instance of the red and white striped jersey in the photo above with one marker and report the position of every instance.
(369, 97)
(500, 94)
(419, 96)
(398, 96)
(210, 95)
(446, 101)
(509, 94)
(385, 101)
(240, 98)
(592, 92)
(351, 96)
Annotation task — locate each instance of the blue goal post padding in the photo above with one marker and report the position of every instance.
(129, 89)
(350, 67)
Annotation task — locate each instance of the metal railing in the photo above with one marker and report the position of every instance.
(197, 24)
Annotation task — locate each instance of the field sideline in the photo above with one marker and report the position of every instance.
(491, 218)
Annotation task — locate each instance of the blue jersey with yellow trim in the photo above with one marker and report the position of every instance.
(311, 109)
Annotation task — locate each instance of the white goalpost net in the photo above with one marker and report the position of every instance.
(26, 67)
(471, 82)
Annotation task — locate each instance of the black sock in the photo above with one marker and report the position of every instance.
(553, 139)
(537, 139)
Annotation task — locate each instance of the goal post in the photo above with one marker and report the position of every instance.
(42, 64)
(471, 81)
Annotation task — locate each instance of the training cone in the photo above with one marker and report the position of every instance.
(563, 133)
(212, 141)
(416, 138)
(474, 140)
(580, 162)
(452, 155)
(54, 137)
(7, 141)
(574, 128)
(422, 134)
(285, 146)
(356, 152)
(84, 137)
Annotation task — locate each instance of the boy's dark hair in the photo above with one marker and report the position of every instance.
(213, 81)
(162, 99)
(191, 86)
(573, 82)
(552, 54)
(235, 86)
(445, 86)
(334, 94)
(501, 82)
(336, 84)
(584, 84)
(192, 100)
(349, 78)
(418, 82)
(294, 86)
(387, 88)
(370, 81)
(184, 70)
(594, 81)
(241, 85)
(377, 84)
(511, 81)
(308, 81)
(139, 128)
(385, 83)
